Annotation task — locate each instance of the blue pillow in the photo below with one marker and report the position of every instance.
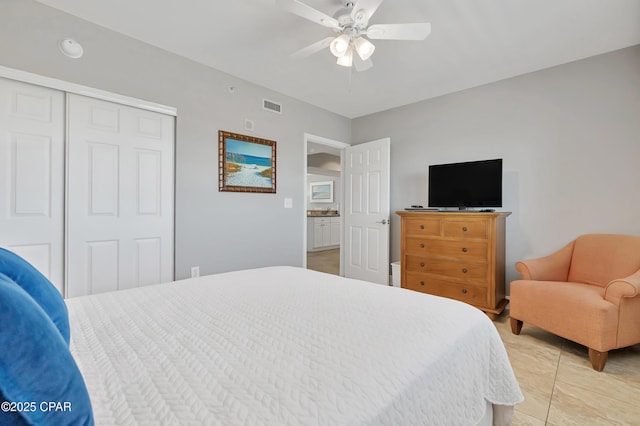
(38, 287)
(36, 366)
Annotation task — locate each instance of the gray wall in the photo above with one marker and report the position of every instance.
(219, 231)
(569, 137)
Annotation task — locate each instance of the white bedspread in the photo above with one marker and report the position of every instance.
(287, 346)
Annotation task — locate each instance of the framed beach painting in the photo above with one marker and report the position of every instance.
(246, 163)
(321, 192)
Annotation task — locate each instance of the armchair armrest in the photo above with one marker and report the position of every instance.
(624, 287)
(554, 267)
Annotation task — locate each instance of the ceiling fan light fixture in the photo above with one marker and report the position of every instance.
(346, 60)
(364, 48)
(351, 25)
(340, 45)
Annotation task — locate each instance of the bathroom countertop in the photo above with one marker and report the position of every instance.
(323, 213)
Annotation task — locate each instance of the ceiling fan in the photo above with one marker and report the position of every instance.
(351, 25)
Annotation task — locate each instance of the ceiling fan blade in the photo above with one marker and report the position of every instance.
(307, 12)
(418, 31)
(363, 10)
(312, 48)
(361, 65)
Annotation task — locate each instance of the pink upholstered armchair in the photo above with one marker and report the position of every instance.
(587, 292)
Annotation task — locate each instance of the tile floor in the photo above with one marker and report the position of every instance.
(561, 388)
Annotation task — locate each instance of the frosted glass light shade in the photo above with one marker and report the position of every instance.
(346, 60)
(340, 45)
(364, 48)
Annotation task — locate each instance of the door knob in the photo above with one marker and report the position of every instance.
(384, 221)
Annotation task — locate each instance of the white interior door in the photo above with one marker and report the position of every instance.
(366, 212)
(120, 197)
(32, 175)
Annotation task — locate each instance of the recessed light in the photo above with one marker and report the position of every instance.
(70, 48)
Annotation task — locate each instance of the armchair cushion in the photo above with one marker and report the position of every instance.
(600, 258)
(574, 311)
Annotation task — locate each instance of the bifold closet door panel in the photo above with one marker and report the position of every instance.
(32, 175)
(120, 197)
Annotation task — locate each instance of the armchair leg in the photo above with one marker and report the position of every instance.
(598, 359)
(516, 326)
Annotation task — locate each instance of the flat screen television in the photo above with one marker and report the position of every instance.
(468, 184)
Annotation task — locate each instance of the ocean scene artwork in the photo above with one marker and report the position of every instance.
(321, 192)
(248, 165)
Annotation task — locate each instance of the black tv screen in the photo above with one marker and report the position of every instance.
(469, 184)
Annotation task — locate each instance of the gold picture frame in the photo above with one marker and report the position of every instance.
(246, 163)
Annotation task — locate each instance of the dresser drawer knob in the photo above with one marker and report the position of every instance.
(464, 249)
(464, 229)
(421, 226)
(422, 264)
(464, 291)
(464, 270)
(421, 282)
(422, 245)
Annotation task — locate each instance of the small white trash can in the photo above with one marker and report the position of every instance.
(395, 273)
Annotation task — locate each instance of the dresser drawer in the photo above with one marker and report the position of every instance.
(464, 292)
(473, 272)
(466, 228)
(476, 251)
(420, 226)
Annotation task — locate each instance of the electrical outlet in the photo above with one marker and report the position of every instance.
(195, 271)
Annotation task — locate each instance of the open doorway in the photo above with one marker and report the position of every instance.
(323, 197)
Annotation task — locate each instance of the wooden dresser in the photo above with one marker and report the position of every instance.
(459, 255)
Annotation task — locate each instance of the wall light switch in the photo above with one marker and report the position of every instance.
(288, 203)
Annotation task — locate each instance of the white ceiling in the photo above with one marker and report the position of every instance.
(473, 42)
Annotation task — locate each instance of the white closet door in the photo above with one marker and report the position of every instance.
(120, 197)
(32, 175)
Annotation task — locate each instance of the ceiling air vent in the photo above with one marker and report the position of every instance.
(272, 106)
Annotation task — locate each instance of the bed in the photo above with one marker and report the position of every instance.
(285, 345)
